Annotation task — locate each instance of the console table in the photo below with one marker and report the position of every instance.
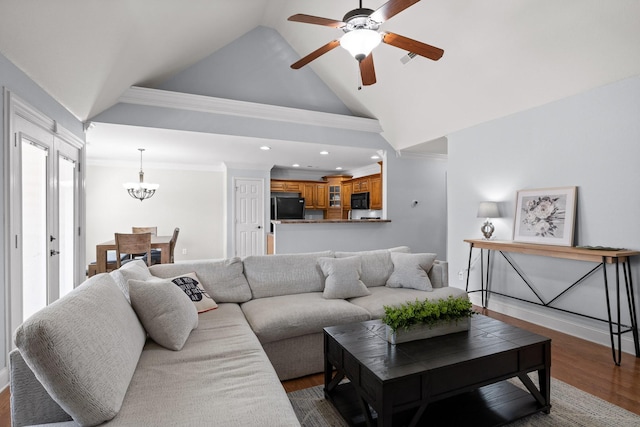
(602, 257)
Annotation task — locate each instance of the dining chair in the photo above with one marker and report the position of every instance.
(156, 254)
(132, 245)
(152, 230)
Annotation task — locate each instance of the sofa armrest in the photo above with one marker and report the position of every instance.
(439, 274)
(30, 402)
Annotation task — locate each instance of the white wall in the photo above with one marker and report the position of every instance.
(592, 141)
(190, 200)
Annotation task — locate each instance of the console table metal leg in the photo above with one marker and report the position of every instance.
(616, 357)
(469, 266)
(633, 315)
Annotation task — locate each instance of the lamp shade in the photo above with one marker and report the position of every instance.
(488, 210)
(360, 42)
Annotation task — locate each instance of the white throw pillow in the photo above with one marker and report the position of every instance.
(342, 278)
(165, 311)
(410, 271)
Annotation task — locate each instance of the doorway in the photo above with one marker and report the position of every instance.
(44, 229)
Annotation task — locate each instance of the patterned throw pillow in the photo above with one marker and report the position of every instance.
(190, 285)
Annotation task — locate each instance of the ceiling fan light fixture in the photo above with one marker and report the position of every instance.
(359, 43)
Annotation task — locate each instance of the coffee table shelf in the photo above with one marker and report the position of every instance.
(433, 380)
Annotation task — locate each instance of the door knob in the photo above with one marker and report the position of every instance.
(53, 252)
(51, 238)
(259, 227)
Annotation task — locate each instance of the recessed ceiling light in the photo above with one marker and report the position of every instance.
(265, 148)
(375, 157)
(295, 165)
(324, 153)
(339, 168)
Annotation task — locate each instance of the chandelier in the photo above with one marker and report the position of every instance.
(141, 190)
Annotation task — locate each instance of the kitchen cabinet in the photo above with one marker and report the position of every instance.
(283, 186)
(335, 197)
(347, 189)
(361, 185)
(315, 195)
(375, 196)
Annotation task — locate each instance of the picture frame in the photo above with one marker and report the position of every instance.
(545, 216)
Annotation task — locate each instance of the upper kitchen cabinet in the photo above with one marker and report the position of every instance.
(315, 195)
(283, 186)
(336, 198)
(375, 183)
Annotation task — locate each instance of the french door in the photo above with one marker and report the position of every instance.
(44, 216)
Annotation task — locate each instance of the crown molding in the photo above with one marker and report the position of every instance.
(208, 104)
(421, 155)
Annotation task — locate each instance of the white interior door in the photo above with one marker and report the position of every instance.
(249, 217)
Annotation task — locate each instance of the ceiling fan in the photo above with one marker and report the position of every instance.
(362, 36)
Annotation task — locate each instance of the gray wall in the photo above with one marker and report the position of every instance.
(592, 141)
(15, 81)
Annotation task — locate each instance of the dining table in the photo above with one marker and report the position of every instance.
(157, 242)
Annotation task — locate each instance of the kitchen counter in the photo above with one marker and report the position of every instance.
(327, 221)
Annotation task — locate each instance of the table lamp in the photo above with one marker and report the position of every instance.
(488, 210)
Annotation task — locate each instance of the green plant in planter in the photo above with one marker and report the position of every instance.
(426, 312)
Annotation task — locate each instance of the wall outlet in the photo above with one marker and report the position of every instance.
(461, 275)
(184, 251)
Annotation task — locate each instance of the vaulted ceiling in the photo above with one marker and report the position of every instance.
(501, 56)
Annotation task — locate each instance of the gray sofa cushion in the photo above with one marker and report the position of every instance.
(342, 277)
(84, 349)
(221, 377)
(376, 265)
(274, 275)
(166, 312)
(287, 316)
(222, 279)
(382, 295)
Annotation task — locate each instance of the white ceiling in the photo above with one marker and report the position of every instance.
(501, 56)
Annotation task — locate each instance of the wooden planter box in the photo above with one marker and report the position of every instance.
(423, 331)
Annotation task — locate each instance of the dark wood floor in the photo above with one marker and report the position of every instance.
(581, 363)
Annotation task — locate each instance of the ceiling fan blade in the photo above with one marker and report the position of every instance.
(390, 9)
(367, 71)
(309, 19)
(414, 46)
(316, 53)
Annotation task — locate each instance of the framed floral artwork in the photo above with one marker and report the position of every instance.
(546, 216)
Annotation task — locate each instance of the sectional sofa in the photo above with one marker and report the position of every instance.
(129, 348)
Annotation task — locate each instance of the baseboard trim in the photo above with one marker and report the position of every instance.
(548, 319)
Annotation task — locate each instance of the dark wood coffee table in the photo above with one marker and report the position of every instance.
(451, 380)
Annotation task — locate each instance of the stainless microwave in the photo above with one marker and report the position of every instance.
(360, 200)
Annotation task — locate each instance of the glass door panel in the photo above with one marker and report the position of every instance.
(34, 225)
(66, 223)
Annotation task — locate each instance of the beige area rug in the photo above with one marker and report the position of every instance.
(569, 407)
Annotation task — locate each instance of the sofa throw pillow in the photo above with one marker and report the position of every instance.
(165, 311)
(410, 271)
(192, 287)
(342, 278)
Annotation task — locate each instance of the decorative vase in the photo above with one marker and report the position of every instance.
(422, 330)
